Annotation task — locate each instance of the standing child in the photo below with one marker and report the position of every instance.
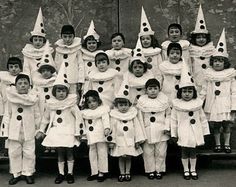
(96, 117)
(151, 49)
(127, 134)
(201, 48)
(188, 123)
(22, 118)
(63, 126)
(68, 54)
(154, 111)
(171, 70)
(33, 52)
(219, 93)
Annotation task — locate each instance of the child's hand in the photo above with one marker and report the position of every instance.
(166, 132)
(40, 135)
(137, 145)
(107, 131)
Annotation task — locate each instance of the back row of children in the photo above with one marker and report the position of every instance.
(122, 105)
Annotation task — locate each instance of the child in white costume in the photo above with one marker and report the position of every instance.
(97, 122)
(68, 54)
(33, 52)
(219, 92)
(150, 45)
(22, 118)
(65, 127)
(171, 70)
(188, 123)
(201, 48)
(154, 111)
(103, 79)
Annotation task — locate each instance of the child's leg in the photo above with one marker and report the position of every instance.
(122, 165)
(193, 159)
(70, 160)
(148, 157)
(217, 126)
(185, 158)
(226, 131)
(61, 160)
(93, 159)
(102, 151)
(28, 167)
(127, 164)
(160, 156)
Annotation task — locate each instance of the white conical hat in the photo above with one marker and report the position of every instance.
(39, 25)
(200, 26)
(138, 52)
(145, 28)
(62, 77)
(92, 32)
(186, 78)
(124, 89)
(47, 59)
(221, 48)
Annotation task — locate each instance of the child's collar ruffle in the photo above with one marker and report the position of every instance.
(123, 53)
(159, 104)
(184, 44)
(151, 51)
(28, 99)
(138, 82)
(224, 75)
(38, 80)
(7, 78)
(168, 68)
(97, 113)
(204, 51)
(55, 104)
(67, 49)
(30, 51)
(192, 105)
(96, 75)
(88, 54)
(129, 115)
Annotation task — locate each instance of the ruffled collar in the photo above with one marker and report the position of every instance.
(30, 51)
(204, 51)
(184, 44)
(151, 51)
(96, 75)
(123, 53)
(55, 104)
(192, 105)
(138, 82)
(90, 54)
(28, 99)
(146, 104)
(129, 115)
(169, 68)
(7, 78)
(67, 49)
(223, 75)
(41, 82)
(97, 113)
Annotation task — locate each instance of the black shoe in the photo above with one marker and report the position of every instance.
(127, 177)
(227, 149)
(29, 179)
(92, 177)
(70, 179)
(158, 176)
(59, 179)
(121, 177)
(217, 149)
(14, 180)
(186, 175)
(101, 178)
(194, 175)
(151, 175)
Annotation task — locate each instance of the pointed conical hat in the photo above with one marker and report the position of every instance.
(200, 26)
(145, 28)
(221, 48)
(39, 25)
(92, 32)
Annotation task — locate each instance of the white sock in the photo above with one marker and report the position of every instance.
(217, 138)
(70, 165)
(227, 138)
(61, 166)
(193, 162)
(185, 164)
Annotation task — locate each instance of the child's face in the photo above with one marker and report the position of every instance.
(67, 38)
(218, 64)
(117, 43)
(46, 73)
(22, 86)
(102, 63)
(123, 107)
(152, 91)
(187, 94)
(14, 69)
(201, 40)
(174, 34)
(91, 45)
(38, 42)
(138, 69)
(92, 103)
(146, 41)
(174, 56)
(61, 93)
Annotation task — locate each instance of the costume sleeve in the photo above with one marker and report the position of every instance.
(140, 136)
(45, 121)
(233, 94)
(4, 128)
(141, 120)
(37, 115)
(58, 61)
(81, 68)
(26, 66)
(203, 92)
(106, 121)
(79, 124)
(158, 71)
(204, 122)
(111, 138)
(174, 123)
(167, 119)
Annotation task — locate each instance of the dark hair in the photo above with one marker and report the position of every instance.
(145, 65)
(90, 37)
(194, 36)
(47, 66)
(121, 100)
(154, 41)
(118, 34)
(31, 38)
(22, 76)
(54, 88)
(94, 94)
(67, 29)
(14, 60)
(179, 92)
(101, 54)
(152, 82)
(174, 45)
(175, 25)
(226, 61)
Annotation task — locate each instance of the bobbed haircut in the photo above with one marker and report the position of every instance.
(14, 60)
(121, 100)
(60, 87)
(31, 38)
(175, 25)
(145, 65)
(154, 41)
(118, 34)
(226, 61)
(175, 46)
(194, 36)
(94, 94)
(90, 37)
(179, 92)
(101, 54)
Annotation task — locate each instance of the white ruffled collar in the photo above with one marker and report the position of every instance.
(55, 104)
(90, 54)
(204, 51)
(184, 44)
(138, 82)
(96, 75)
(223, 75)
(151, 51)
(129, 115)
(30, 51)
(97, 113)
(146, 104)
(41, 82)
(123, 53)
(169, 68)
(67, 49)
(192, 105)
(7, 77)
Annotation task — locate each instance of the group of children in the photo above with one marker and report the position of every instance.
(123, 102)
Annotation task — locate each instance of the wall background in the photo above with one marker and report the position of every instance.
(17, 18)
